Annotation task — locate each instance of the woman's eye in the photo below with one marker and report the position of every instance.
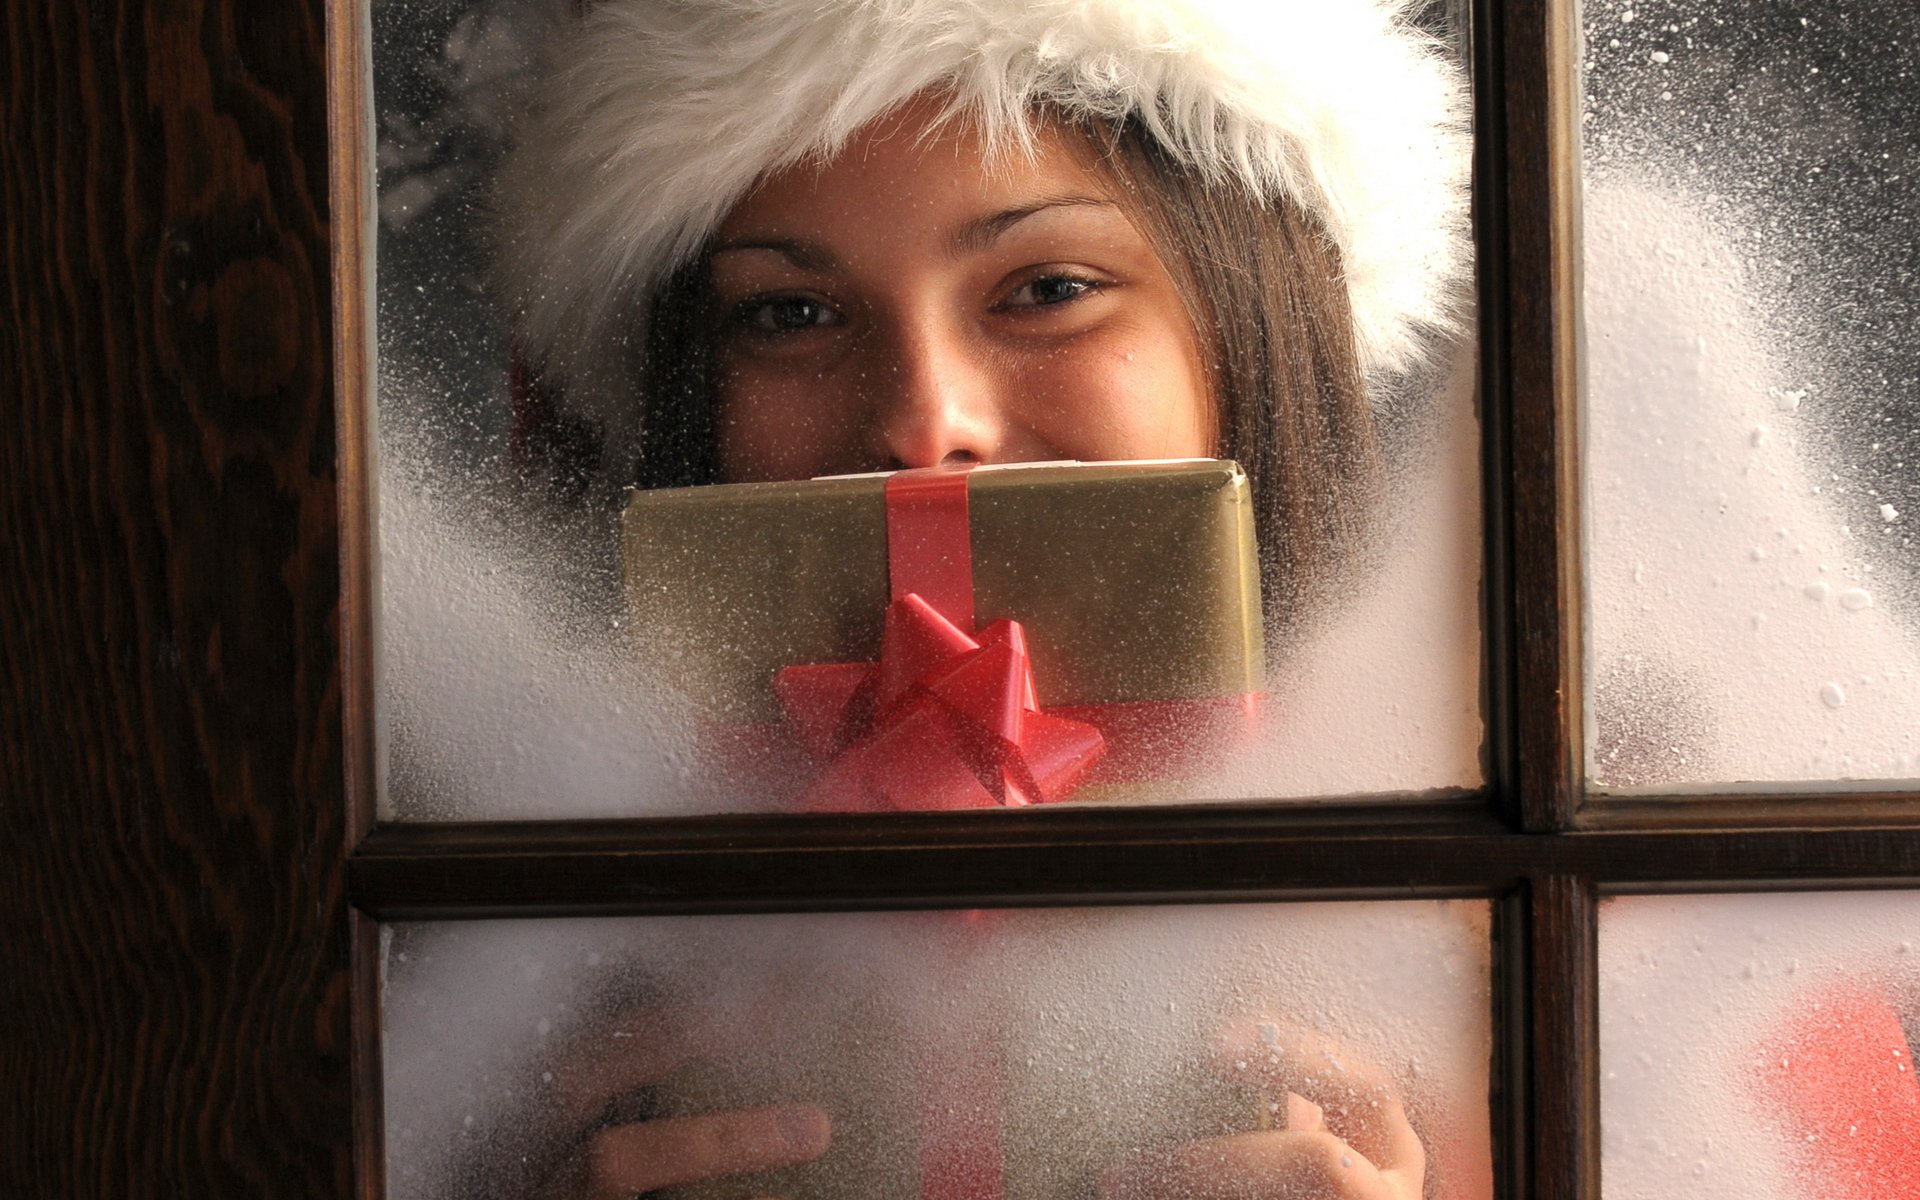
(785, 314)
(1049, 289)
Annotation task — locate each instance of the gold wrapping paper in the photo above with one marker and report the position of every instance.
(875, 1153)
(1065, 1117)
(1135, 581)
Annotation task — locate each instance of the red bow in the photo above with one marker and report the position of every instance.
(941, 721)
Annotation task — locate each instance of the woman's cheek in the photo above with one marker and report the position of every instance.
(1129, 398)
(776, 426)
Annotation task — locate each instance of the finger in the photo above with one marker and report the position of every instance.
(626, 1159)
(1356, 1097)
(1395, 1145)
(1289, 1163)
(1303, 1115)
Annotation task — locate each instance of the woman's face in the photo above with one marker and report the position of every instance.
(906, 306)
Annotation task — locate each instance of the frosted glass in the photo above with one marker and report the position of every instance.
(1760, 1047)
(1055, 1049)
(509, 683)
(1751, 272)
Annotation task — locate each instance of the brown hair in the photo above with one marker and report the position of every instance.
(1262, 285)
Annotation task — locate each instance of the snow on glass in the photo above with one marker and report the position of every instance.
(1060, 1044)
(507, 683)
(1752, 437)
(1760, 1047)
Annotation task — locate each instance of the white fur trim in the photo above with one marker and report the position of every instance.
(657, 116)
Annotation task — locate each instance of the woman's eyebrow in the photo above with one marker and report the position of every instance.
(978, 234)
(805, 255)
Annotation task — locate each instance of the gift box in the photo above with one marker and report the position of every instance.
(965, 1101)
(951, 1140)
(951, 638)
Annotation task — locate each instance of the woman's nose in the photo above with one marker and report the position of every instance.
(935, 400)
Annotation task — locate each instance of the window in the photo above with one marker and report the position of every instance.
(510, 655)
(497, 704)
(1537, 849)
(180, 501)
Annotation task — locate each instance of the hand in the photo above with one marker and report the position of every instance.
(1346, 1136)
(618, 1156)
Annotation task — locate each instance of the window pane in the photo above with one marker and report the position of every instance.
(1760, 1047)
(1051, 1048)
(514, 681)
(1751, 274)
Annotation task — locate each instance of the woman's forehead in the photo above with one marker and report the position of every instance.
(915, 169)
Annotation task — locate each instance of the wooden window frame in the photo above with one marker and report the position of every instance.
(1532, 842)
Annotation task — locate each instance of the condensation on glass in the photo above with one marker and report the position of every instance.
(1760, 1047)
(1752, 383)
(930, 1054)
(509, 681)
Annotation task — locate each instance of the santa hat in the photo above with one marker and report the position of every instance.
(656, 116)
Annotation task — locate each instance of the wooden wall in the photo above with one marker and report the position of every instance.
(173, 938)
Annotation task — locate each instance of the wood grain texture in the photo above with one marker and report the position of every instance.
(174, 949)
(1563, 1069)
(1085, 856)
(1493, 269)
(1546, 1092)
(1528, 179)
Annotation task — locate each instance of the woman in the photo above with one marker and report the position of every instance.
(772, 239)
(1297, 170)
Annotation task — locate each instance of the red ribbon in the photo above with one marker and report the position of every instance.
(962, 1154)
(945, 719)
(930, 540)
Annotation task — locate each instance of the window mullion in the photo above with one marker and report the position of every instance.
(1525, 83)
(1556, 1152)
